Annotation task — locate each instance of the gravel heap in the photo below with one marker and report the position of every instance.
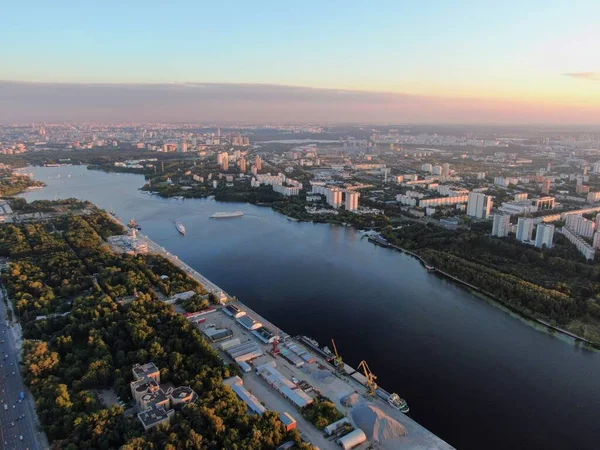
(375, 423)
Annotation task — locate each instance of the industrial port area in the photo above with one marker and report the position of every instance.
(285, 374)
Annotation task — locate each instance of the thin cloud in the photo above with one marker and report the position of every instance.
(591, 76)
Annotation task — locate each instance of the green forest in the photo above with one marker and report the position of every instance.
(11, 184)
(65, 266)
(557, 285)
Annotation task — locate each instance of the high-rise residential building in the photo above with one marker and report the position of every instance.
(334, 196)
(596, 241)
(218, 132)
(242, 164)
(445, 170)
(225, 161)
(351, 203)
(501, 226)
(546, 186)
(258, 162)
(182, 147)
(426, 167)
(524, 229)
(479, 205)
(580, 225)
(544, 235)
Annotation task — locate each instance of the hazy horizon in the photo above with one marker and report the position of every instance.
(259, 103)
(512, 62)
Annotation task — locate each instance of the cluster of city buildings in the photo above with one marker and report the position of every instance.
(336, 196)
(280, 183)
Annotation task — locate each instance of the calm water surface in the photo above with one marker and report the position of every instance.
(471, 373)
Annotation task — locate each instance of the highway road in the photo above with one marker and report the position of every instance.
(18, 428)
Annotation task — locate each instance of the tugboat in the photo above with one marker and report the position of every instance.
(398, 403)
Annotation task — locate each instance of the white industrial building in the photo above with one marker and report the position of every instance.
(352, 439)
(284, 386)
(248, 322)
(237, 385)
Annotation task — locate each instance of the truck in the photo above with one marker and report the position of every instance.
(22, 395)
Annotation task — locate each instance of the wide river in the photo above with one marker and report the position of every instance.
(473, 374)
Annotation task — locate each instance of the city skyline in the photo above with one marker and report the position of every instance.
(473, 63)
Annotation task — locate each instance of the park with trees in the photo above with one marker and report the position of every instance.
(65, 266)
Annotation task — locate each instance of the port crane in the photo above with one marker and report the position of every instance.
(371, 384)
(275, 351)
(338, 359)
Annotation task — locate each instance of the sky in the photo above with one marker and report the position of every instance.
(524, 61)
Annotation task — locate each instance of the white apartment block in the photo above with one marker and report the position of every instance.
(479, 205)
(442, 201)
(351, 203)
(580, 225)
(586, 250)
(521, 196)
(501, 226)
(524, 229)
(544, 235)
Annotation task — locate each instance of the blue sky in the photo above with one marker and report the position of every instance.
(510, 50)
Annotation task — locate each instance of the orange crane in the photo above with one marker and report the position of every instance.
(371, 384)
(338, 359)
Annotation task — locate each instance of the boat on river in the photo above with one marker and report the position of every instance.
(226, 215)
(180, 227)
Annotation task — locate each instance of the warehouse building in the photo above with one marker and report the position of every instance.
(284, 386)
(237, 385)
(249, 323)
(245, 352)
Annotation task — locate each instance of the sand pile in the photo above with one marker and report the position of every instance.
(376, 424)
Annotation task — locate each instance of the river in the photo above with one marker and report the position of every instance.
(473, 374)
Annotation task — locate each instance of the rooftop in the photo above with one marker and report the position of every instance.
(141, 371)
(154, 416)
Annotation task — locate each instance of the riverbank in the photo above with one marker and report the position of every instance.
(494, 299)
(419, 437)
